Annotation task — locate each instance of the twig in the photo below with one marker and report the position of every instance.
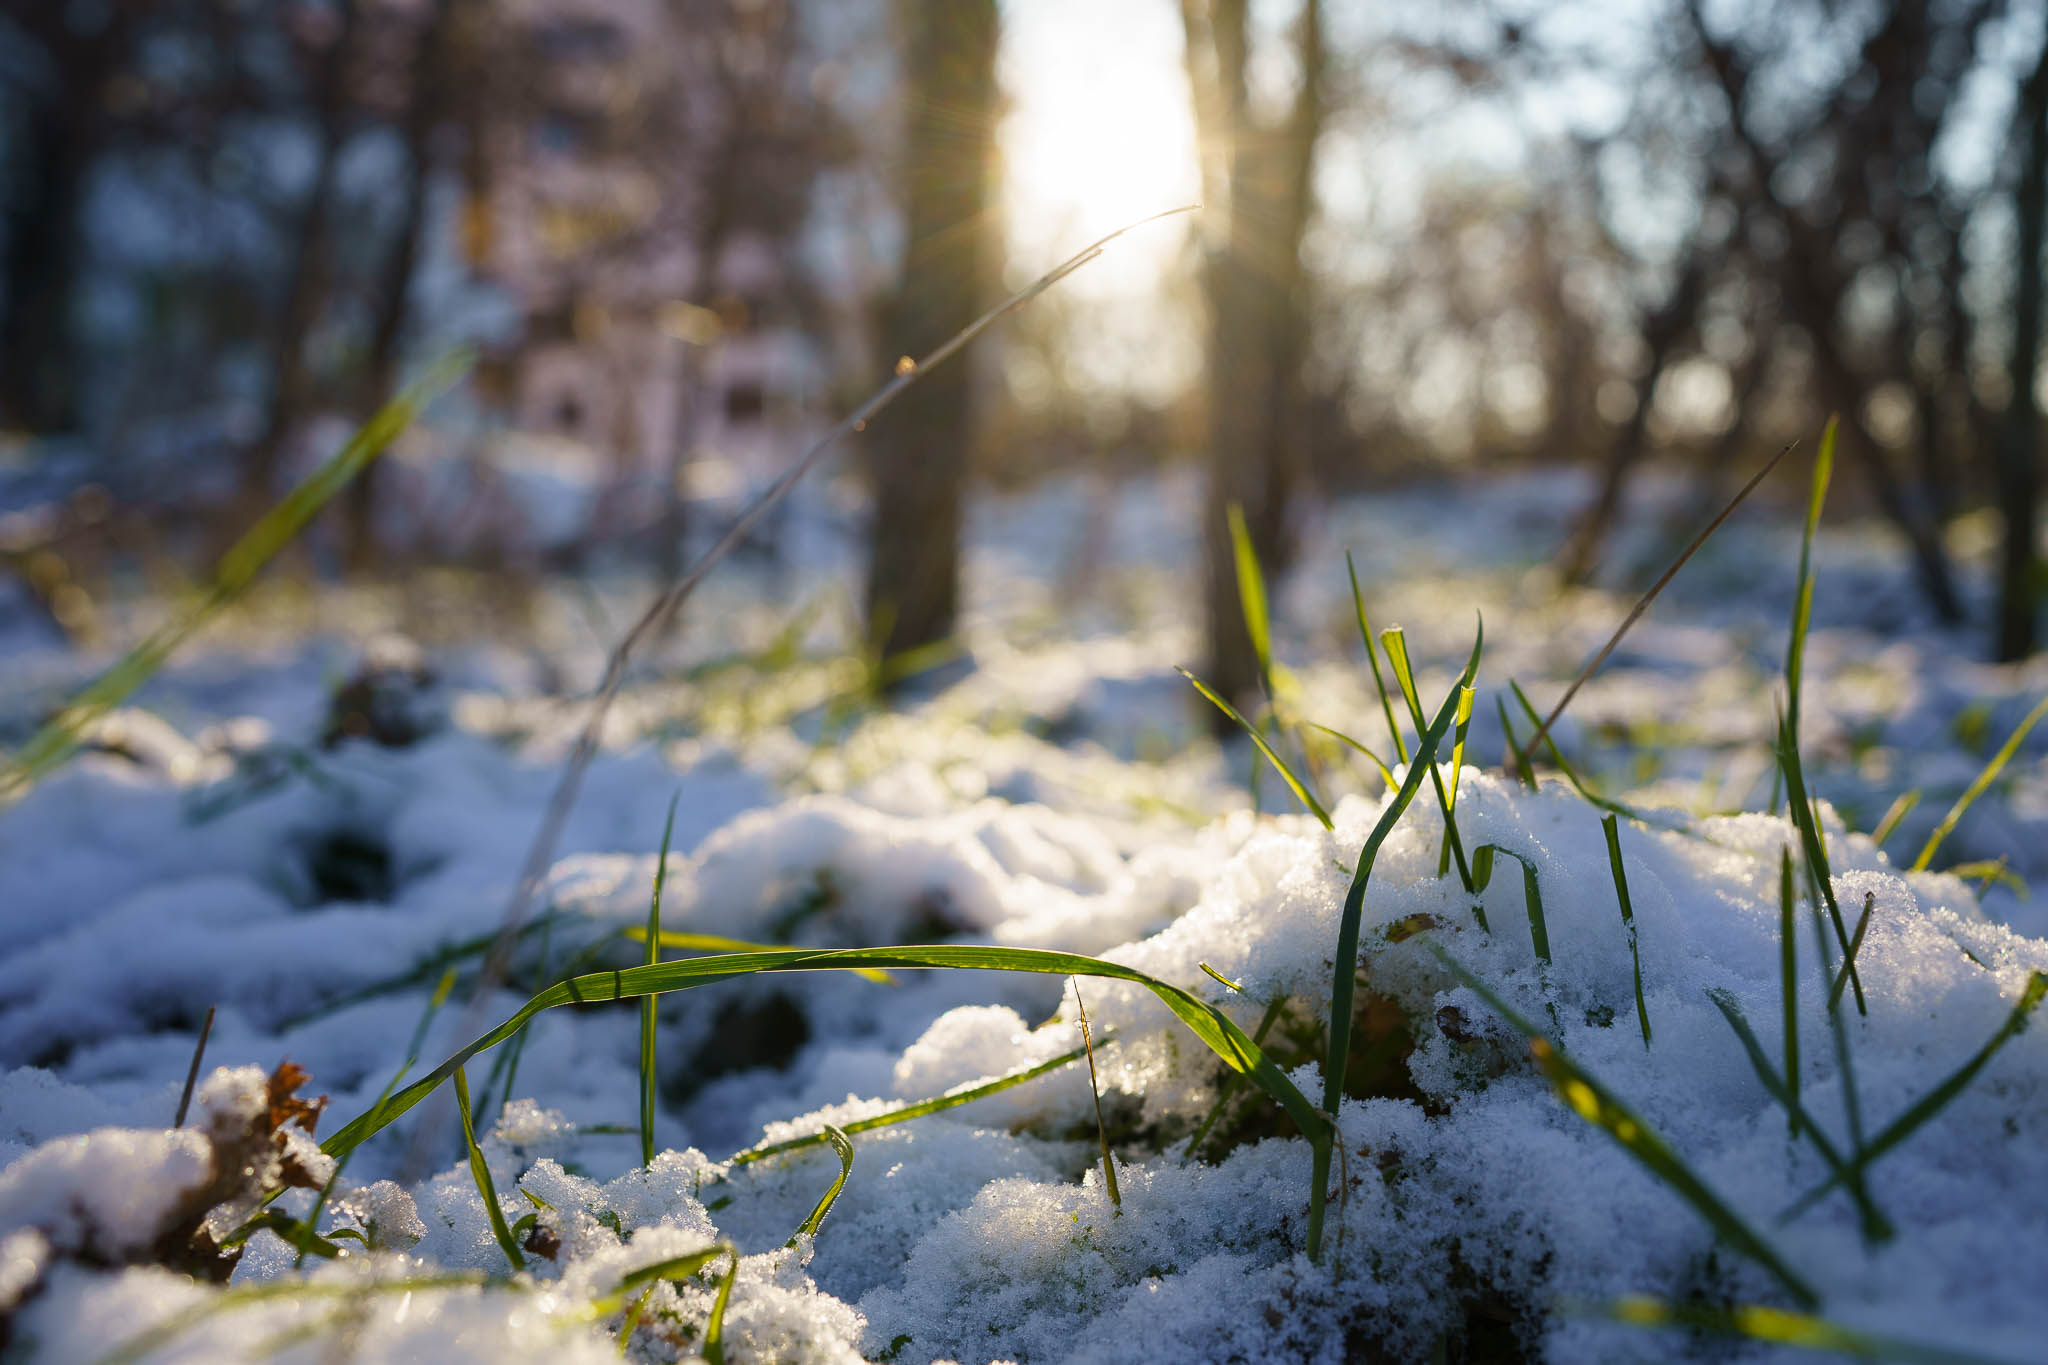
(1643, 604)
(192, 1072)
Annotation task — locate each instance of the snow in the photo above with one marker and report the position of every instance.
(211, 850)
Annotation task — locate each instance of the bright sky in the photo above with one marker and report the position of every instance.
(1100, 132)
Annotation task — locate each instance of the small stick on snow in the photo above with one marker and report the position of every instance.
(192, 1072)
(1643, 604)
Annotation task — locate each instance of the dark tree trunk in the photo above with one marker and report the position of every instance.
(312, 261)
(1258, 316)
(919, 446)
(2019, 485)
(423, 114)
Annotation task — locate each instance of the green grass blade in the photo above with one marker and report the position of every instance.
(951, 1099)
(714, 1325)
(1628, 918)
(1801, 1331)
(1593, 1102)
(1214, 1028)
(1939, 1098)
(1372, 657)
(649, 1076)
(1802, 609)
(1295, 784)
(1788, 981)
(1523, 768)
(1855, 947)
(1344, 968)
(809, 1227)
(1558, 761)
(1251, 595)
(160, 1334)
(480, 1170)
(1813, 844)
(55, 742)
(1379, 764)
(1446, 797)
(1876, 1227)
(1466, 698)
(719, 943)
(1894, 815)
(1228, 1090)
(1976, 788)
(1116, 1198)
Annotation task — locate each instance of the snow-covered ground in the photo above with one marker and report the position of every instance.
(234, 842)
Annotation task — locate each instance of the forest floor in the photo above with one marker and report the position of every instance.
(311, 860)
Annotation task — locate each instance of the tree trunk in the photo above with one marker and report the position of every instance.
(919, 445)
(307, 286)
(1262, 188)
(2020, 441)
(431, 75)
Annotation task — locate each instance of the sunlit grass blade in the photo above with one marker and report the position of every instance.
(684, 941)
(50, 746)
(649, 1076)
(160, 1334)
(1894, 815)
(1802, 607)
(1524, 770)
(714, 1324)
(809, 1227)
(1977, 787)
(1939, 1098)
(1563, 765)
(1781, 1328)
(951, 1099)
(1813, 843)
(1294, 784)
(1593, 1102)
(1379, 681)
(1987, 872)
(1466, 697)
(1855, 947)
(1116, 1198)
(1397, 659)
(480, 1170)
(1344, 968)
(1612, 829)
(1214, 1028)
(1876, 1227)
(1532, 894)
(1251, 595)
(1379, 765)
(1788, 981)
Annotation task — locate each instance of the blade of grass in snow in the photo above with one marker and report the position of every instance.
(1939, 1098)
(1116, 1198)
(1989, 871)
(1643, 603)
(1594, 1103)
(1802, 602)
(1779, 1328)
(1344, 965)
(1855, 946)
(1894, 815)
(1523, 768)
(1788, 980)
(1628, 918)
(237, 569)
(1379, 682)
(1976, 788)
(648, 1074)
(719, 943)
(951, 1099)
(1397, 659)
(1563, 766)
(1251, 595)
(160, 1334)
(1294, 784)
(809, 1227)
(412, 1057)
(1214, 1028)
(1876, 1227)
(1813, 843)
(1386, 773)
(480, 1171)
(1532, 895)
